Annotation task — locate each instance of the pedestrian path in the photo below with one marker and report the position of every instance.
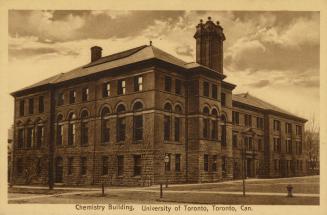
(112, 191)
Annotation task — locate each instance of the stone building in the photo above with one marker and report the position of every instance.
(116, 119)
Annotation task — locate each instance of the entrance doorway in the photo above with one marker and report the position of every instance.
(58, 170)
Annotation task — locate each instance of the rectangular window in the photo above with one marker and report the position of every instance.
(298, 130)
(84, 133)
(277, 144)
(41, 104)
(120, 165)
(234, 140)
(138, 83)
(223, 99)
(288, 145)
(168, 84)
(83, 165)
(166, 127)
(248, 120)
(85, 94)
(39, 135)
(105, 165)
(214, 92)
(178, 87)
(121, 128)
(276, 125)
(206, 163)
(177, 128)
(106, 89)
(137, 165)
(20, 138)
(121, 87)
(71, 134)
(214, 130)
(276, 164)
(60, 134)
(72, 96)
(30, 106)
(138, 127)
(205, 128)
(259, 122)
(21, 108)
(260, 148)
(177, 162)
(214, 163)
(70, 165)
(105, 131)
(60, 99)
(205, 89)
(300, 147)
(288, 128)
(30, 137)
(236, 118)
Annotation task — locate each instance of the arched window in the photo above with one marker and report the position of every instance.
(214, 127)
(223, 130)
(167, 121)
(205, 131)
(39, 135)
(84, 128)
(121, 123)
(105, 128)
(137, 121)
(60, 130)
(71, 129)
(177, 123)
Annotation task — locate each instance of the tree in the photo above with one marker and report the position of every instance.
(311, 138)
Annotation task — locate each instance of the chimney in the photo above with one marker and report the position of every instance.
(96, 53)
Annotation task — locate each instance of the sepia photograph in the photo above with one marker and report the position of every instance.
(163, 111)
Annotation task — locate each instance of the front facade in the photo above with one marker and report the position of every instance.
(142, 116)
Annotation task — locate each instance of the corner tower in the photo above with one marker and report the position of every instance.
(209, 44)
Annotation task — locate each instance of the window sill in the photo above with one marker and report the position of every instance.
(136, 176)
(137, 141)
(172, 142)
(85, 145)
(120, 143)
(104, 143)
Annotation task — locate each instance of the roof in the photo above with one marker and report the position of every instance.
(123, 58)
(246, 98)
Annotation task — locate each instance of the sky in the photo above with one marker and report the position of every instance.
(272, 55)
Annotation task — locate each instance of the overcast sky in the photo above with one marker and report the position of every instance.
(271, 55)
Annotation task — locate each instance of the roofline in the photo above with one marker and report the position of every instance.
(268, 111)
(228, 85)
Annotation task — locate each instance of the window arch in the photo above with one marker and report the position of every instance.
(178, 109)
(205, 110)
(223, 130)
(121, 123)
(167, 121)
(137, 106)
(137, 121)
(105, 126)
(121, 108)
(71, 129)
(84, 127)
(168, 107)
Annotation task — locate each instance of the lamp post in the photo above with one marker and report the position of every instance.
(166, 164)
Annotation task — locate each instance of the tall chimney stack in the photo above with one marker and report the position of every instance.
(96, 53)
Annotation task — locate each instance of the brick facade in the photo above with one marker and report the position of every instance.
(185, 112)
